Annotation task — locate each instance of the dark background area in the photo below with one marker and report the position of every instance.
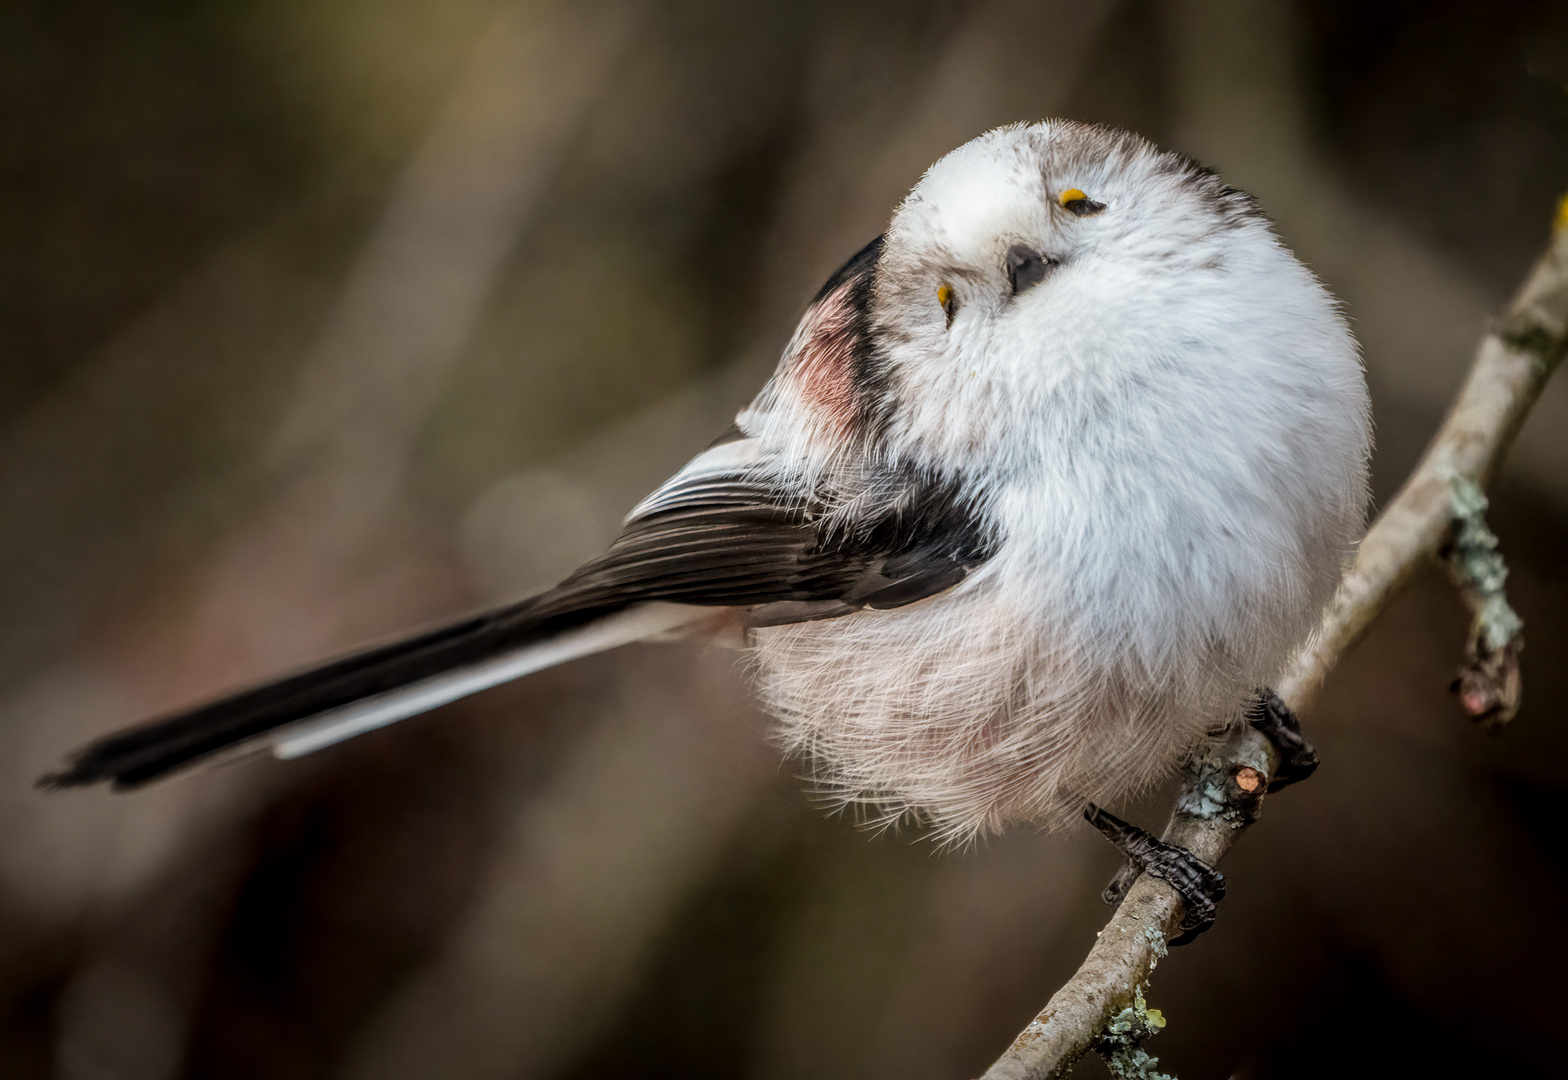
(320, 321)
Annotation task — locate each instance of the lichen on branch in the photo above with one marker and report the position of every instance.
(1489, 684)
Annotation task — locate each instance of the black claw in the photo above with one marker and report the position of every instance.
(1201, 886)
(1298, 759)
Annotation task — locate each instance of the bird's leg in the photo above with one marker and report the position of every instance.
(1276, 723)
(1200, 885)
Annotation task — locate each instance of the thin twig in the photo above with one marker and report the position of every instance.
(1489, 685)
(1221, 795)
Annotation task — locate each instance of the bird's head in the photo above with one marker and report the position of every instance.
(1040, 261)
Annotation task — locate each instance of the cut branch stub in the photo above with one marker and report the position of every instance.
(1223, 788)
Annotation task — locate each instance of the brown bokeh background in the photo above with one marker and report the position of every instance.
(319, 321)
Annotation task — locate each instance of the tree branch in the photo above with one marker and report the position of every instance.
(1436, 514)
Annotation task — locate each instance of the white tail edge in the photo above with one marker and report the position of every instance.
(612, 631)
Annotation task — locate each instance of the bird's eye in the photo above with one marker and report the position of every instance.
(949, 301)
(1026, 267)
(1078, 204)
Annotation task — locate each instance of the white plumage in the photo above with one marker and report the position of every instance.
(1051, 480)
(1170, 434)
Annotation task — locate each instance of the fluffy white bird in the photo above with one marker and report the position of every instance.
(1052, 478)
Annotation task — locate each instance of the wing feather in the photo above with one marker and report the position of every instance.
(723, 531)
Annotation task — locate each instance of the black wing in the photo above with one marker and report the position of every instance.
(733, 539)
(712, 536)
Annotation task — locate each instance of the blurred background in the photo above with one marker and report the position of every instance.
(319, 321)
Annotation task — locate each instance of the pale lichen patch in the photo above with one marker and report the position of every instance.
(1119, 1042)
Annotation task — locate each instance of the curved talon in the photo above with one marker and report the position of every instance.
(1201, 886)
(1298, 759)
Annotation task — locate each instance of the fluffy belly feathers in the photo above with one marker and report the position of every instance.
(975, 709)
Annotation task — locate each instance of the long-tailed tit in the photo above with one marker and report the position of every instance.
(1052, 478)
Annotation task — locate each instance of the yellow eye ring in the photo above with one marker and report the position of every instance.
(949, 301)
(1078, 204)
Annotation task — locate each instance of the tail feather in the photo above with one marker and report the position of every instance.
(311, 710)
(606, 633)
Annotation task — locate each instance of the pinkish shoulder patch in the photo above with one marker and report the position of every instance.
(823, 367)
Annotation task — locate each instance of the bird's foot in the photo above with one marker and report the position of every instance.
(1298, 759)
(1201, 886)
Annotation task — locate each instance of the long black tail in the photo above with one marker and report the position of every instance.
(339, 699)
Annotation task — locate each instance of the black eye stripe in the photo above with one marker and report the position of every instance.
(1026, 267)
